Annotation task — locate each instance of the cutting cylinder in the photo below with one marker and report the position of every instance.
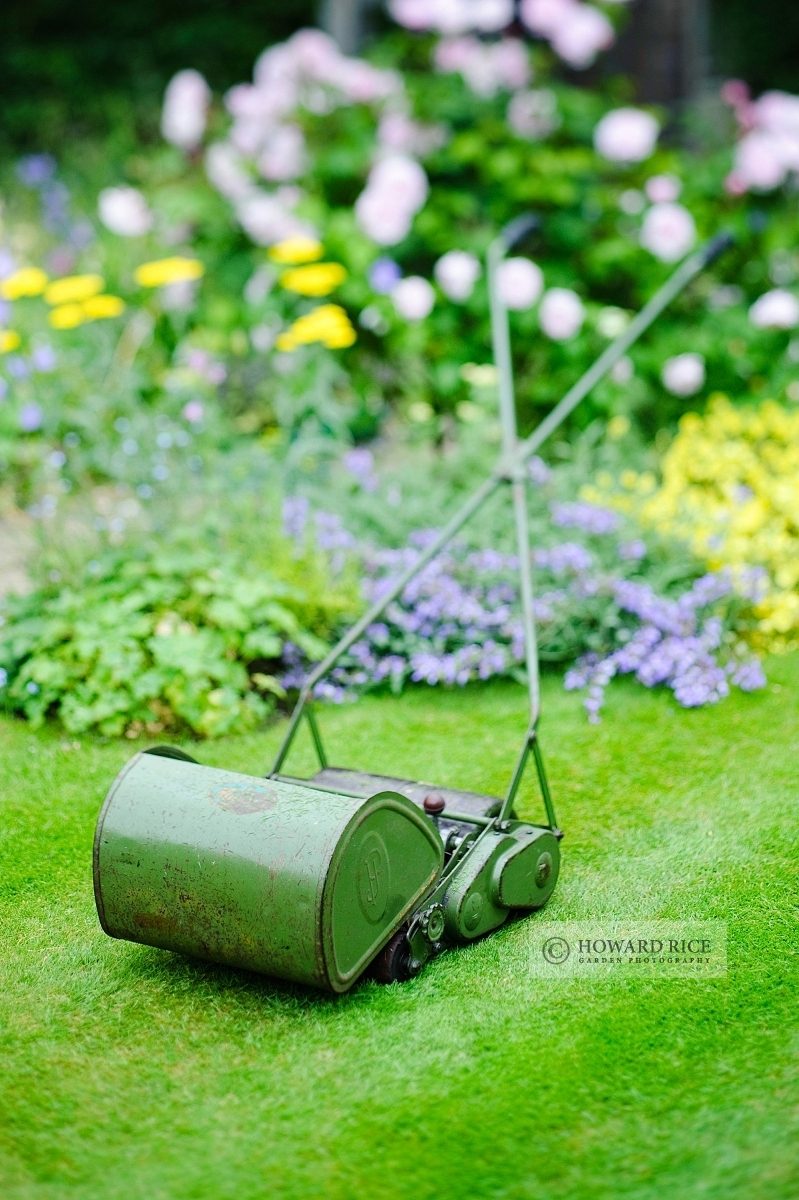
(264, 874)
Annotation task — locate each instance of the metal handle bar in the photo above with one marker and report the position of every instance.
(507, 468)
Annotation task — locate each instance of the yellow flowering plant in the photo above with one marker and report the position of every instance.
(729, 488)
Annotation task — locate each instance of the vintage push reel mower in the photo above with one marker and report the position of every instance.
(318, 880)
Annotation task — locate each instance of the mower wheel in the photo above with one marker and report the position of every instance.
(393, 963)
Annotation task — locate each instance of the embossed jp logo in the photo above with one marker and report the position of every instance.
(373, 877)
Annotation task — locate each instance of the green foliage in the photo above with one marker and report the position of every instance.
(172, 637)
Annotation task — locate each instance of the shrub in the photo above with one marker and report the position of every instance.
(174, 637)
(728, 488)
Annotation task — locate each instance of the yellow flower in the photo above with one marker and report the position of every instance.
(67, 316)
(618, 427)
(28, 281)
(101, 308)
(328, 324)
(163, 271)
(296, 250)
(73, 288)
(9, 340)
(319, 279)
(340, 339)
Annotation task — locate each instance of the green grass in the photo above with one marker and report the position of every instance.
(130, 1072)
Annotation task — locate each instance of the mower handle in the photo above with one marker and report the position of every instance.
(517, 230)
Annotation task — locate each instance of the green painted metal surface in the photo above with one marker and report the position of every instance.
(262, 874)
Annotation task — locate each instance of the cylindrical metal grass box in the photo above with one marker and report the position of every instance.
(263, 874)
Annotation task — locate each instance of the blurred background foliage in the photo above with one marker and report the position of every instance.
(245, 353)
(98, 69)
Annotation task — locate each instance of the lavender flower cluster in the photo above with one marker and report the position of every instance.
(678, 643)
(460, 619)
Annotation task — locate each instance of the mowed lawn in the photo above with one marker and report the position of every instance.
(130, 1072)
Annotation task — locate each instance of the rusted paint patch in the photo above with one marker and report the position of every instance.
(153, 922)
(244, 799)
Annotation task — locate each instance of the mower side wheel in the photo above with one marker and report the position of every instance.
(393, 963)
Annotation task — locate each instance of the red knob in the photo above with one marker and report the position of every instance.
(434, 804)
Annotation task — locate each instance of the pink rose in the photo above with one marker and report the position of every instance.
(413, 298)
(519, 283)
(777, 111)
(124, 211)
(456, 274)
(776, 309)
(561, 314)
(283, 156)
(185, 109)
(381, 217)
(626, 135)
(758, 162)
(226, 170)
(579, 39)
(193, 412)
(668, 231)
(684, 374)
(403, 178)
(662, 189)
(545, 17)
(533, 114)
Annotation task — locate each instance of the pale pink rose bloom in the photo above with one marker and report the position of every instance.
(456, 274)
(313, 51)
(489, 16)
(403, 177)
(364, 84)
(520, 282)
(245, 102)
(185, 109)
(193, 412)
(778, 111)
(512, 63)
(225, 168)
(545, 17)
(668, 231)
(561, 314)
(533, 114)
(381, 217)
(456, 53)
(248, 136)
(758, 163)
(397, 131)
(735, 92)
(283, 156)
(684, 374)
(734, 185)
(412, 14)
(276, 68)
(413, 298)
(776, 309)
(662, 189)
(786, 148)
(626, 135)
(265, 219)
(579, 39)
(451, 16)
(124, 211)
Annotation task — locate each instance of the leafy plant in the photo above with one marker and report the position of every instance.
(173, 637)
